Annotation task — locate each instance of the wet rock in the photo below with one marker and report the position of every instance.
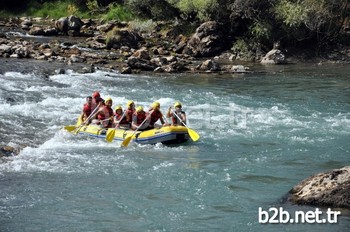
(331, 189)
(60, 71)
(77, 59)
(105, 27)
(74, 23)
(6, 151)
(126, 70)
(208, 65)
(142, 54)
(275, 56)
(174, 67)
(136, 63)
(122, 37)
(26, 24)
(62, 24)
(36, 31)
(50, 32)
(88, 69)
(239, 69)
(71, 24)
(4, 48)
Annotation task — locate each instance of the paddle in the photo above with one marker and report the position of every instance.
(111, 131)
(126, 141)
(193, 134)
(72, 128)
(82, 124)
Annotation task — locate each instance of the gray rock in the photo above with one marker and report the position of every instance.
(62, 24)
(208, 40)
(275, 56)
(74, 23)
(8, 151)
(330, 189)
(208, 65)
(37, 31)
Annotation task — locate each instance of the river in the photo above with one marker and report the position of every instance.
(261, 134)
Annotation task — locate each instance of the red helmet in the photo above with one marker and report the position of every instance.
(96, 94)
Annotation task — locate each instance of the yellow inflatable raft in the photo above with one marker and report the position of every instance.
(166, 135)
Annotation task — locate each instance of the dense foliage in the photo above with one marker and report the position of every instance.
(317, 23)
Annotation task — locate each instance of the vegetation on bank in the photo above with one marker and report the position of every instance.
(253, 24)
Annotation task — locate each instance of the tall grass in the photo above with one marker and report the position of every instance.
(55, 9)
(119, 13)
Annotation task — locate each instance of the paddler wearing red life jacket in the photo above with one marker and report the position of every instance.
(130, 111)
(96, 100)
(120, 118)
(87, 109)
(105, 114)
(156, 115)
(138, 117)
(178, 111)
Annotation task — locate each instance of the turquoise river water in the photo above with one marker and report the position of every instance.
(261, 134)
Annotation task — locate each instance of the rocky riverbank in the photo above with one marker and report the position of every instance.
(87, 45)
(115, 46)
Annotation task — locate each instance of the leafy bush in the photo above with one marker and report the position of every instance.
(291, 13)
(155, 9)
(260, 31)
(246, 50)
(203, 9)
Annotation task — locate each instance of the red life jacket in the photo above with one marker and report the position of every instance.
(175, 120)
(130, 113)
(119, 118)
(105, 114)
(154, 117)
(140, 118)
(87, 109)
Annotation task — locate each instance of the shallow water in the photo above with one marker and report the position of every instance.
(261, 134)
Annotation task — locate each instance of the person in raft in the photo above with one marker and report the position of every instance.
(87, 109)
(120, 118)
(105, 114)
(178, 111)
(156, 115)
(96, 100)
(130, 111)
(139, 117)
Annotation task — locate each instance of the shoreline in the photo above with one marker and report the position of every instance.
(89, 49)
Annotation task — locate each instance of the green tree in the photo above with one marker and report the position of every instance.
(320, 20)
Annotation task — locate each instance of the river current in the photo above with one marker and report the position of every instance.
(261, 134)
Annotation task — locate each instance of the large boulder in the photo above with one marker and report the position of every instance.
(209, 40)
(118, 38)
(141, 64)
(275, 56)
(75, 23)
(6, 151)
(62, 24)
(71, 23)
(331, 189)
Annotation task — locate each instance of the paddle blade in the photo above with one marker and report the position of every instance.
(110, 135)
(69, 128)
(194, 135)
(77, 130)
(79, 122)
(126, 141)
